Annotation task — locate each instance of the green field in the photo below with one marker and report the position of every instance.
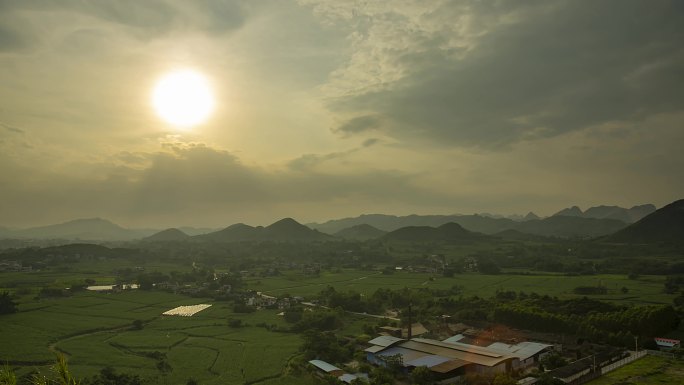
(645, 290)
(649, 370)
(94, 330)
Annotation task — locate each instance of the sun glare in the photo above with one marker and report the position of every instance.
(183, 98)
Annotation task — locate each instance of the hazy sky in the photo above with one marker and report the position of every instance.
(327, 109)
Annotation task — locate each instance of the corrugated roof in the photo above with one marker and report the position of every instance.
(455, 338)
(429, 361)
(374, 349)
(522, 350)
(462, 347)
(416, 330)
(448, 366)
(385, 340)
(407, 355)
(348, 378)
(449, 350)
(324, 366)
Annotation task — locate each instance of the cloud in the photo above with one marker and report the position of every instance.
(197, 184)
(25, 24)
(11, 128)
(505, 72)
(359, 124)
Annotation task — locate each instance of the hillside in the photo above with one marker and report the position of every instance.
(665, 225)
(449, 232)
(360, 232)
(571, 227)
(233, 233)
(288, 229)
(630, 215)
(557, 226)
(383, 222)
(95, 229)
(168, 235)
(283, 230)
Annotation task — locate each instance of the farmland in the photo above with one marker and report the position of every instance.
(127, 330)
(649, 370)
(645, 290)
(95, 331)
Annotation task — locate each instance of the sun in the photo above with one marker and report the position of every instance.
(183, 98)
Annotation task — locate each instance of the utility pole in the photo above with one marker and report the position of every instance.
(410, 322)
(636, 344)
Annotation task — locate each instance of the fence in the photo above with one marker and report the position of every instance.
(661, 354)
(622, 362)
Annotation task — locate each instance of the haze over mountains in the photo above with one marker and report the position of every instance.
(610, 212)
(610, 219)
(571, 222)
(665, 225)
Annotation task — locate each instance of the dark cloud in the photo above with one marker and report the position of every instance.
(141, 19)
(566, 67)
(196, 184)
(10, 39)
(359, 124)
(371, 142)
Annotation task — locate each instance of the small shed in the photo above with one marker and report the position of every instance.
(667, 343)
(326, 368)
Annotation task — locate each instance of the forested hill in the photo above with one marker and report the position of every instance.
(666, 225)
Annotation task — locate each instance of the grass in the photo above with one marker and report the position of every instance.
(649, 370)
(646, 290)
(95, 328)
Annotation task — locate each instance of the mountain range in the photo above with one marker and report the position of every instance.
(286, 229)
(571, 222)
(448, 232)
(557, 226)
(630, 215)
(665, 225)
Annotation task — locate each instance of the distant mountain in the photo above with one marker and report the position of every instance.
(448, 232)
(360, 232)
(383, 222)
(559, 226)
(665, 225)
(93, 229)
(168, 235)
(610, 212)
(233, 233)
(290, 230)
(196, 230)
(570, 227)
(573, 211)
(283, 230)
(531, 216)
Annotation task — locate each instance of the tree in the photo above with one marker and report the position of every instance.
(422, 376)
(108, 376)
(7, 305)
(486, 266)
(138, 324)
(381, 376)
(504, 379)
(553, 361)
